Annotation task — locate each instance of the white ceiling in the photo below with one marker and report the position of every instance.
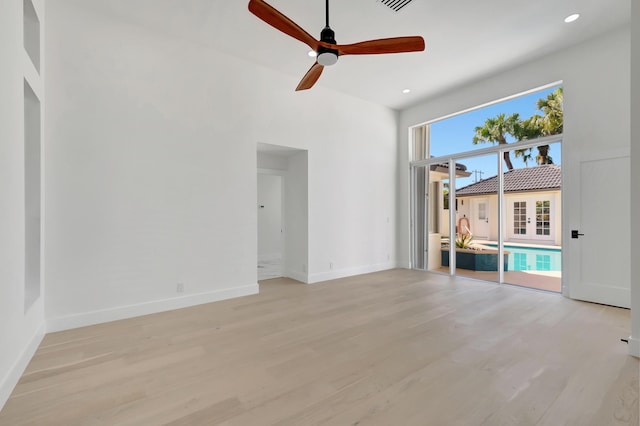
(466, 39)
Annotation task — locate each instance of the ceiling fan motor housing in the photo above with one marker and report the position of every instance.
(327, 56)
(328, 35)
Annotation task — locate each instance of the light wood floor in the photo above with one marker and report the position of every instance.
(393, 348)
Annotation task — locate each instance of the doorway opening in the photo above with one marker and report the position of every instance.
(282, 212)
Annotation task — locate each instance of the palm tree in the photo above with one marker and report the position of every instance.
(553, 120)
(495, 130)
(551, 123)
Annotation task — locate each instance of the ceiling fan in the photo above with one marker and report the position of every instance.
(326, 48)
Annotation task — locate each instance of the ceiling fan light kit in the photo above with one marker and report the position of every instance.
(328, 50)
(327, 56)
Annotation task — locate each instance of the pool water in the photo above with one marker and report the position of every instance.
(533, 258)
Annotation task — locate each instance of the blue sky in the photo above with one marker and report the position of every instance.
(455, 134)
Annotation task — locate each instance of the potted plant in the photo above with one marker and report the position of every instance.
(475, 257)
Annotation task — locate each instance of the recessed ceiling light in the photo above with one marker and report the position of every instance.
(405, 91)
(312, 53)
(572, 18)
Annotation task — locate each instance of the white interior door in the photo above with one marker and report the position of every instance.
(599, 212)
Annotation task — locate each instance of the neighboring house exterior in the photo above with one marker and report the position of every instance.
(532, 205)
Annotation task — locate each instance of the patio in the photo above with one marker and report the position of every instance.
(539, 280)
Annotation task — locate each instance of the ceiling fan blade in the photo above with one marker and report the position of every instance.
(383, 45)
(310, 77)
(279, 21)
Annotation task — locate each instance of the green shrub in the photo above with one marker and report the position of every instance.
(464, 241)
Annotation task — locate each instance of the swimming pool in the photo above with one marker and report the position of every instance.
(532, 258)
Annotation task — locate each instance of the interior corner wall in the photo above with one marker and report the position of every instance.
(20, 331)
(634, 342)
(151, 172)
(589, 83)
(296, 218)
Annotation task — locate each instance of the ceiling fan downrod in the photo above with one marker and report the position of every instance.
(327, 13)
(326, 55)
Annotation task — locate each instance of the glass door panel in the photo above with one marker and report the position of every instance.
(420, 219)
(439, 205)
(477, 218)
(533, 228)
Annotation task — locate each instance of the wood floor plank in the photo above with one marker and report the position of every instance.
(397, 347)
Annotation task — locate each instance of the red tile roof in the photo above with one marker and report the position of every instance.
(539, 178)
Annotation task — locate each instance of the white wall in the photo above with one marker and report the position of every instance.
(269, 216)
(151, 175)
(595, 78)
(272, 162)
(352, 199)
(20, 332)
(634, 344)
(296, 217)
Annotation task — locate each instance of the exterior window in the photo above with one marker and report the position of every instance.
(482, 211)
(520, 218)
(543, 220)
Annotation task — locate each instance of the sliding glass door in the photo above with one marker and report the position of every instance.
(475, 215)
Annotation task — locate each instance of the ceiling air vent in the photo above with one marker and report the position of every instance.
(395, 5)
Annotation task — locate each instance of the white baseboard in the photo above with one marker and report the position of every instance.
(298, 276)
(634, 347)
(10, 381)
(404, 264)
(130, 311)
(348, 272)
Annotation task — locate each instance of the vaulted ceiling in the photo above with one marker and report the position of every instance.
(466, 39)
